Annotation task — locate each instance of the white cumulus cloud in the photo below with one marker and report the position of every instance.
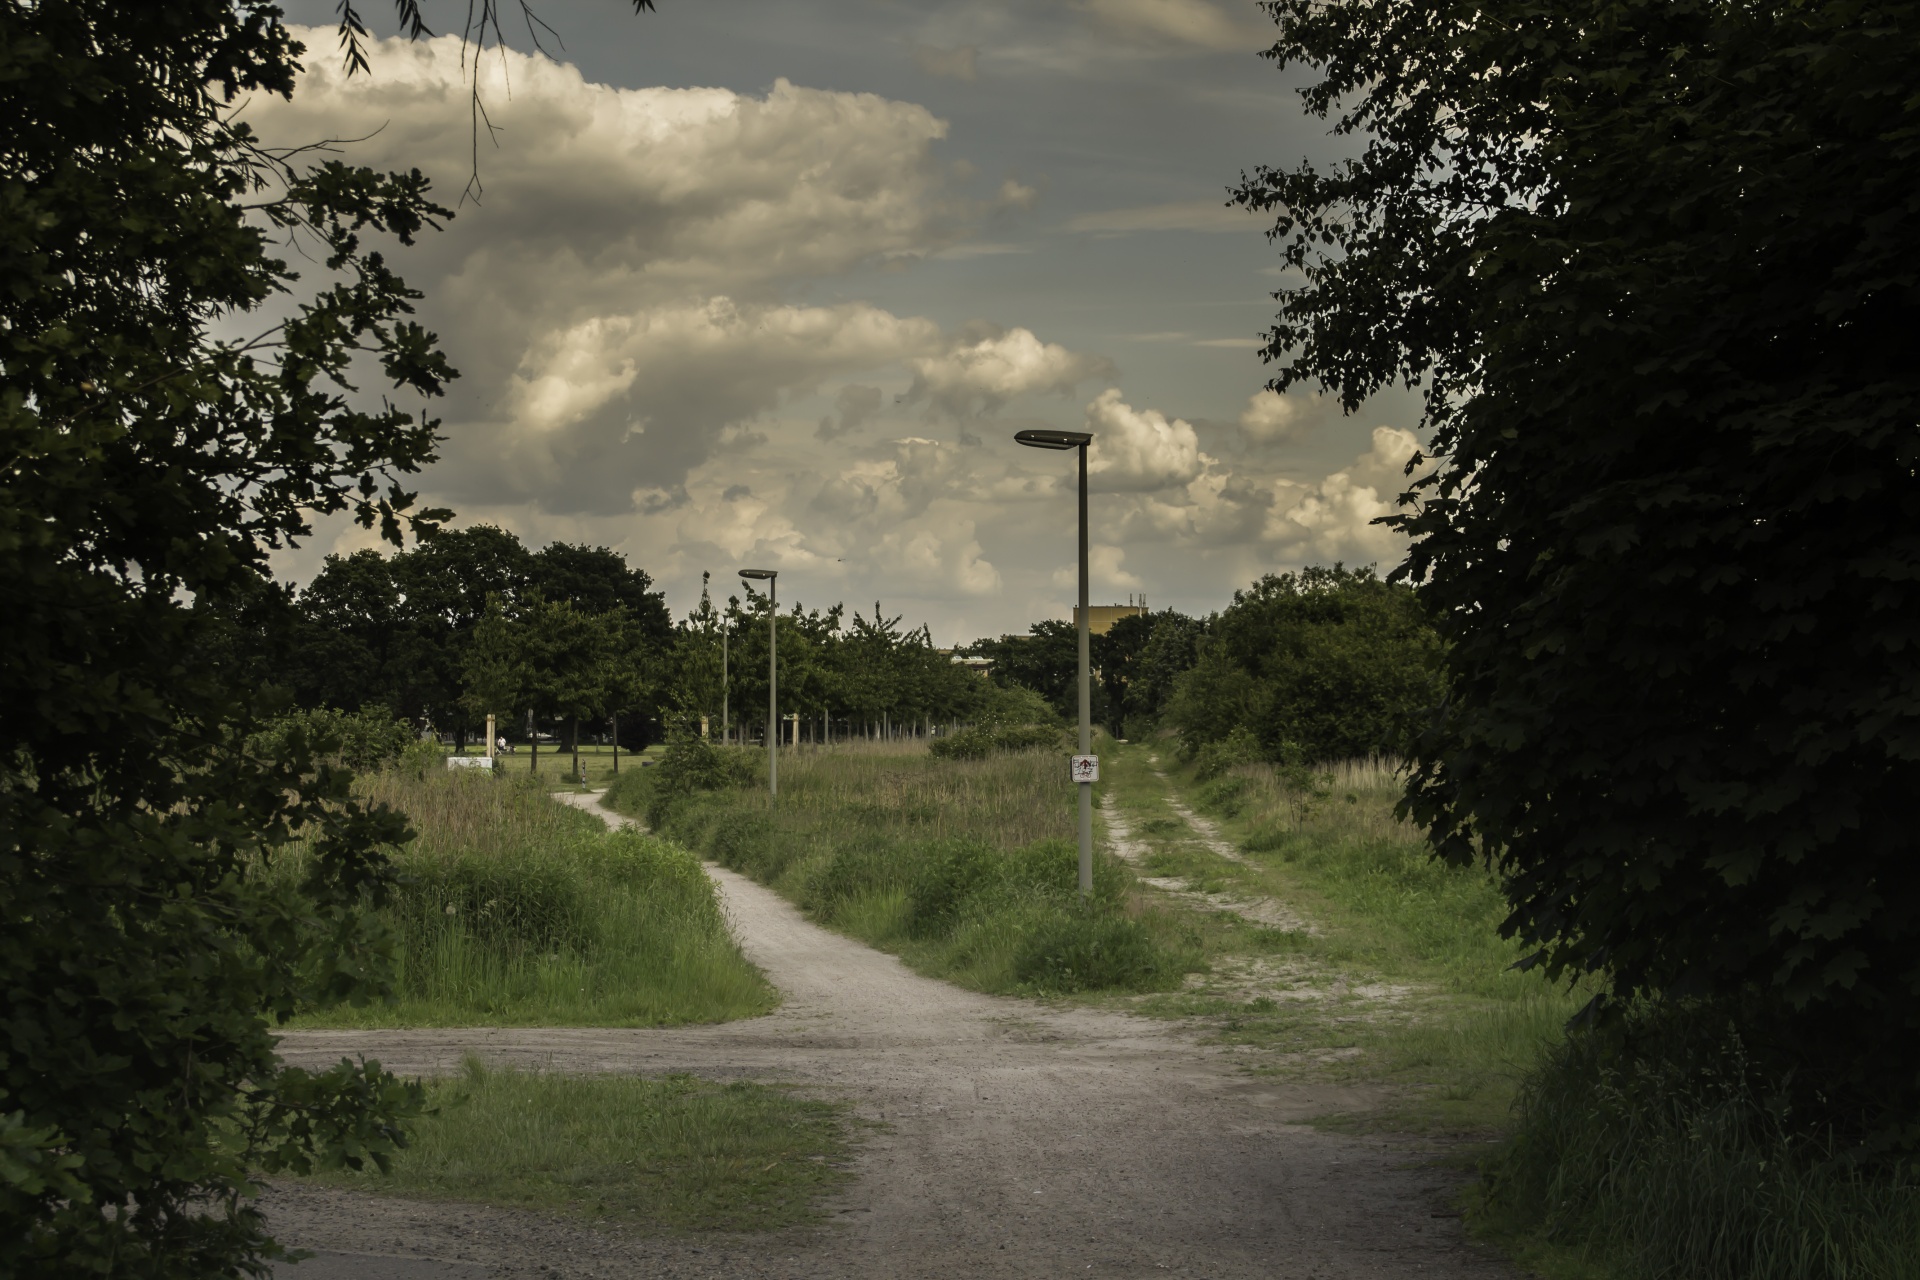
(980, 372)
(1334, 519)
(1140, 449)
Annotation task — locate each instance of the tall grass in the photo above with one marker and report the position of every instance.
(963, 867)
(516, 910)
(658, 1155)
(1661, 1156)
(1459, 1025)
(1650, 1152)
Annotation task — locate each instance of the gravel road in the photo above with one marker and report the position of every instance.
(1014, 1139)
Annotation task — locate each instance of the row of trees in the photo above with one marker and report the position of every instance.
(571, 637)
(1332, 661)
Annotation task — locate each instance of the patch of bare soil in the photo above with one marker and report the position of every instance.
(1014, 1139)
(1130, 848)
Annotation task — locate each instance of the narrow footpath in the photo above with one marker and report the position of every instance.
(1010, 1139)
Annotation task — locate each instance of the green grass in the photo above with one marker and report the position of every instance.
(515, 910)
(673, 1154)
(553, 764)
(965, 868)
(1403, 978)
(1661, 1148)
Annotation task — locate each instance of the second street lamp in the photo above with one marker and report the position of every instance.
(772, 578)
(1086, 769)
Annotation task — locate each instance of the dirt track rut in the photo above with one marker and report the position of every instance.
(1016, 1139)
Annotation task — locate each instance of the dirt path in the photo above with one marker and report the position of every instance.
(1016, 1139)
(1130, 848)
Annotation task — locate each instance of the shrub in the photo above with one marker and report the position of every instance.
(1212, 759)
(967, 744)
(1082, 951)
(690, 765)
(950, 875)
(370, 738)
(982, 741)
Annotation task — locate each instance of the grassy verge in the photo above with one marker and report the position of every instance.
(554, 765)
(667, 1154)
(518, 911)
(965, 868)
(1397, 974)
(1664, 1146)
(1637, 1154)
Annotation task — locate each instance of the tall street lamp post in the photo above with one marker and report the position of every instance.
(1086, 769)
(772, 578)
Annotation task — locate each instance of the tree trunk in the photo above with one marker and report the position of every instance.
(615, 716)
(576, 748)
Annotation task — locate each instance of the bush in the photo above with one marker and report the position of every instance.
(1081, 951)
(979, 742)
(950, 875)
(1212, 759)
(363, 740)
(693, 764)
(967, 744)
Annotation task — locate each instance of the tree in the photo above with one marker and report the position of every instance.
(597, 580)
(1129, 666)
(1047, 661)
(1654, 266)
(1333, 663)
(147, 468)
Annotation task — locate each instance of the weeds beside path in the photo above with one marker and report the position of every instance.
(1012, 1138)
(1392, 971)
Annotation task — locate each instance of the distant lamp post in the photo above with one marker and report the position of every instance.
(1086, 768)
(772, 578)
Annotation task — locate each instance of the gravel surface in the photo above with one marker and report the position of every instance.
(1012, 1139)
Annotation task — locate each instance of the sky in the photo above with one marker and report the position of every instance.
(772, 285)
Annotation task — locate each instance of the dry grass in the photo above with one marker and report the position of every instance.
(1006, 800)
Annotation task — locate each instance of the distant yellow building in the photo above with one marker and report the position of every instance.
(1101, 617)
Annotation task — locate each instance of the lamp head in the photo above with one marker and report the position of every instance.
(759, 574)
(1054, 439)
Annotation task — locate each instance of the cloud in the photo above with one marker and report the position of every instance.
(1193, 23)
(602, 408)
(1271, 417)
(1183, 215)
(855, 404)
(953, 64)
(1140, 449)
(981, 372)
(619, 300)
(1104, 571)
(1333, 520)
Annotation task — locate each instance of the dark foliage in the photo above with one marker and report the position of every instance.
(148, 470)
(1330, 663)
(398, 630)
(1658, 268)
(1132, 660)
(1047, 661)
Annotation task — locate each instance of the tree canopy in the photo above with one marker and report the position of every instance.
(148, 465)
(1653, 266)
(1326, 663)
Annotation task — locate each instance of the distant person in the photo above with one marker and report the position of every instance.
(504, 748)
